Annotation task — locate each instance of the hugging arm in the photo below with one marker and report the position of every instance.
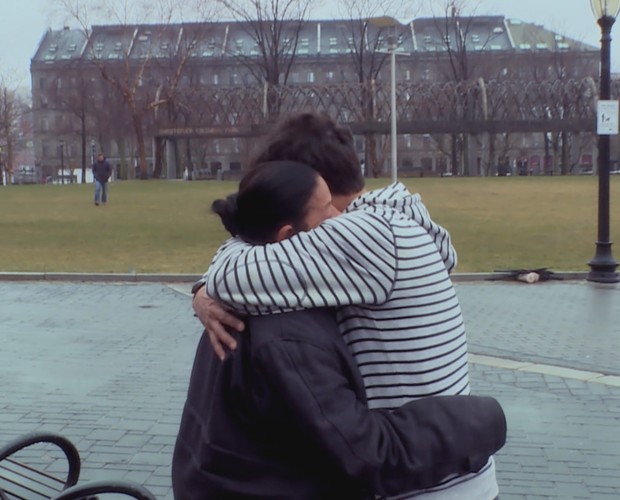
(391, 452)
(350, 259)
(216, 321)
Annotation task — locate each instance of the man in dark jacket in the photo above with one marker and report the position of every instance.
(285, 416)
(101, 172)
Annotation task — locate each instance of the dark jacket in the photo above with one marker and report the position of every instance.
(102, 170)
(285, 417)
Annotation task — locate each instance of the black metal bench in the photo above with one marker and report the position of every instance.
(27, 479)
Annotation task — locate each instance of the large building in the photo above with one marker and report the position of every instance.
(188, 99)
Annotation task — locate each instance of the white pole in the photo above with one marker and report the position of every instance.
(393, 109)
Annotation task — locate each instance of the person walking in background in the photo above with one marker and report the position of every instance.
(101, 172)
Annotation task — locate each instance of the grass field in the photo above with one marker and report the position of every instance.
(166, 227)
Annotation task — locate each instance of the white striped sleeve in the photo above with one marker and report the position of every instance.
(350, 259)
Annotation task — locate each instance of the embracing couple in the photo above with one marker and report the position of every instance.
(331, 326)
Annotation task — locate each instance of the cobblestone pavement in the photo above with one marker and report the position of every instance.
(570, 324)
(107, 365)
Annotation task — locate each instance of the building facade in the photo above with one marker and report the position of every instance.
(189, 99)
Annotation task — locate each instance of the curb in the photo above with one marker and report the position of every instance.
(99, 277)
(190, 278)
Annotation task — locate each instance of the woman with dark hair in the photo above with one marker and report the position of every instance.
(275, 200)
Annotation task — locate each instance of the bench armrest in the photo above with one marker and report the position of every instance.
(128, 488)
(67, 447)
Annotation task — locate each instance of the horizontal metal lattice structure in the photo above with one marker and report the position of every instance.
(466, 107)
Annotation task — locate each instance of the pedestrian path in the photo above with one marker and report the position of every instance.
(107, 364)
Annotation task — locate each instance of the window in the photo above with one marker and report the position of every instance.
(329, 76)
(216, 79)
(304, 46)
(310, 77)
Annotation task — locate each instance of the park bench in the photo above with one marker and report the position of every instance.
(22, 474)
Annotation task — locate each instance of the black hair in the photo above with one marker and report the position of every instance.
(270, 195)
(322, 144)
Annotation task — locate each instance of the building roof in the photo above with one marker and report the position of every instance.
(324, 37)
(61, 45)
(534, 37)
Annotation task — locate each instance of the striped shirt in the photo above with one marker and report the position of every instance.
(385, 265)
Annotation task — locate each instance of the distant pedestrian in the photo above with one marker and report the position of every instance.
(101, 172)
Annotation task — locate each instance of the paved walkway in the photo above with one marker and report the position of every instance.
(107, 365)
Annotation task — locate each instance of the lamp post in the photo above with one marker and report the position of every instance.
(392, 41)
(392, 44)
(603, 265)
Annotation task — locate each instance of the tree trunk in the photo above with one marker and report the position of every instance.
(492, 155)
(565, 159)
(83, 132)
(137, 126)
(373, 168)
(454, 152)
(160, 150)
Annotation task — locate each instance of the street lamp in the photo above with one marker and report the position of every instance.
(603, 265)
(392, 41)
(392, 44)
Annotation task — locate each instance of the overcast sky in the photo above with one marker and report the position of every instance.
(23, 23)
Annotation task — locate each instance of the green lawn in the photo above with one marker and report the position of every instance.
(165, 226)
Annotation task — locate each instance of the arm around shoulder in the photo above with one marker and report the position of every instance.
(414, 447)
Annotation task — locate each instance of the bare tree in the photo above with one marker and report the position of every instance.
(273, 28)
(455, 28)
(365, 34)
(558, 64)
(146, 53)
(10, 113)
